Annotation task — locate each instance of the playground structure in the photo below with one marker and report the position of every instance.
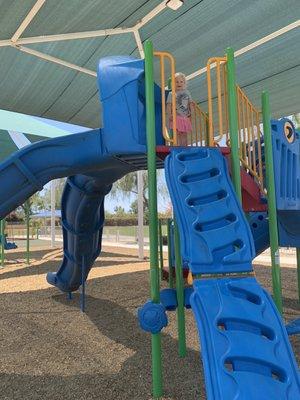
(5, 245)
(195, 195)
(211, 235)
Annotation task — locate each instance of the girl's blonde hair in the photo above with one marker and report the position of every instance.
(181, 75)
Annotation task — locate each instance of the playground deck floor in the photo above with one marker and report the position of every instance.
(50, 350)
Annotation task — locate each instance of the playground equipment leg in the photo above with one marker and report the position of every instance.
(27, 208)
(153, 219)
(233, 123)
(171, 281)
(2, 228)
(82, 294)
(298, 271)
(161, 254)
(274, 243)
(180, 295)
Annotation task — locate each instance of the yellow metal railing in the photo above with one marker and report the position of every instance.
(218, 113)
(212, 129)
(171, 139)
(199, 119)
(250, 151)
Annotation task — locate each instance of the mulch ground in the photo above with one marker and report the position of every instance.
(51, 350)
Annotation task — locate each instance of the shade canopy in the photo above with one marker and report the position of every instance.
(17, 130)
(54, 76)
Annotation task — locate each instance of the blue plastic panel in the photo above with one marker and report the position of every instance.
(245, 348)
(121, 81)
(286, 154)
(259, 225)
(287, 165)
(214, 234)
(289, 228)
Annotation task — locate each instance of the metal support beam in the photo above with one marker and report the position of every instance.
(2, 233)
(29, 17)
(140, 185)
(153, 13)
(55, 60)
(272, 211)
(233, 124)
(250, 46)
(67, 36)
(52, 195)
(153, 219)
(139, 43)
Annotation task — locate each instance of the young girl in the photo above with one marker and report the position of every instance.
(183, 110)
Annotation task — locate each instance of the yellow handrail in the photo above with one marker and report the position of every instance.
(203, 125)
(249, 137)
(220, 64)
(162, 56)
(200, 126)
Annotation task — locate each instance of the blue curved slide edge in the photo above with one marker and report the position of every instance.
(215, 237)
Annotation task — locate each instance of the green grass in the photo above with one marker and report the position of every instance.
(129, 230)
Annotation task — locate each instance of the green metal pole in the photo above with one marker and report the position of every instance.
(298, 271)
(171, 281)
(161, 254)
(27, 207)
(153, 219)
(274, 243)
(2, 228)
(180, 295)
(233, 123)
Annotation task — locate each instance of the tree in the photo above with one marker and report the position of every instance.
(59, 187)
(32, 205)
(119, 211)
(128, 185)
(134, 207)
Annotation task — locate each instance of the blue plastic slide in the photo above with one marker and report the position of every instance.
(7, 245)
(83, 198)
(245, 348)
(92, 160)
